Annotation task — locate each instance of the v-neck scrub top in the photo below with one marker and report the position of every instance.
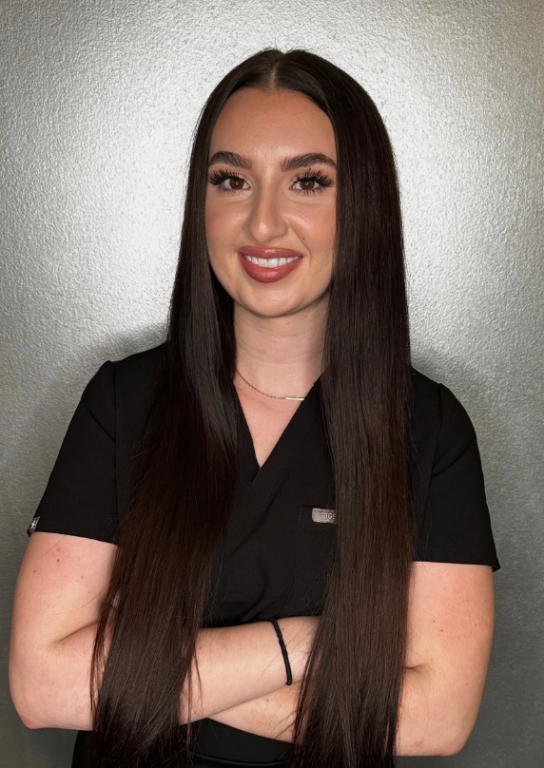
(281, 528)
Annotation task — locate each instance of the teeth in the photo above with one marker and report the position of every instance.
(271, 263)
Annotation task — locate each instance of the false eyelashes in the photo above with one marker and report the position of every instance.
(218, 177)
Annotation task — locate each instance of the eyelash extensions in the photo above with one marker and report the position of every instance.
(217, 178)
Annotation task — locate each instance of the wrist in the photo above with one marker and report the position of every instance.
(298, 633)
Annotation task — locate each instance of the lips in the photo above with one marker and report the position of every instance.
(268, 274)
(269, 253)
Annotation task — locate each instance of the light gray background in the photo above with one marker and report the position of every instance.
(99, 102)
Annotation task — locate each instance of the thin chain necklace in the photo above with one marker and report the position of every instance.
(264, 393)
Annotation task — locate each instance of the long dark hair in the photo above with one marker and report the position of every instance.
(184, 480)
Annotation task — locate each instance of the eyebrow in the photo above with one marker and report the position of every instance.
(287, 164)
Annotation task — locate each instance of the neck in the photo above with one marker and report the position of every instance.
(280, 355)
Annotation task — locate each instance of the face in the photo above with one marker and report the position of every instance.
(256, 202)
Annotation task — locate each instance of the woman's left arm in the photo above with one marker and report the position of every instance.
(450, 635)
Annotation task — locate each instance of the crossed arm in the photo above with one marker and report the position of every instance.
(450, 634)
(451, 621)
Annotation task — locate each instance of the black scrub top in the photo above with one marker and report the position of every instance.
(281, 528)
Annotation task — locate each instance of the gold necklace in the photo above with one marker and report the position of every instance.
(264, 393)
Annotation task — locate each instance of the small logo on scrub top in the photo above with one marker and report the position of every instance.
(320, 515)
(33, 524)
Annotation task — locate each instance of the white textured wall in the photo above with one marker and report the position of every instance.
(99, 100)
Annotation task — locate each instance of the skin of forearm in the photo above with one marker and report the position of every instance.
(428, 715)
(237, 664)
(424, 725)
(271, 715)
(60, 688)
(243, 663)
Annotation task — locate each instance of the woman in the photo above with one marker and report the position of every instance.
(276, 458)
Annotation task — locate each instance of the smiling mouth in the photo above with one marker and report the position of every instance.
(273, 263)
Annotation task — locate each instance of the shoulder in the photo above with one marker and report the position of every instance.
(454, 524)
(135, 369)
(437, 408)
(119, 390)
(133, 380)
(138, 365)
(425, 415)
(442, 431)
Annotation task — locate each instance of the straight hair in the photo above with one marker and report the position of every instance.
(184, 473)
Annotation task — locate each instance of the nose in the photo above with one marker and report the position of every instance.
(266, 216)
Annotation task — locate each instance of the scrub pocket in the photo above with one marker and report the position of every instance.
(315, 536)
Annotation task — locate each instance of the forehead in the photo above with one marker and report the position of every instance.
(258, 123)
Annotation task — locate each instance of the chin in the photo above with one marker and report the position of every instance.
(271, 309)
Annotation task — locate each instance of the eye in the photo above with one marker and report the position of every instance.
(311, 177)
(218, 177)
(308, 185)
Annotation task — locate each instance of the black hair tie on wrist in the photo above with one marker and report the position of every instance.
(283, 650)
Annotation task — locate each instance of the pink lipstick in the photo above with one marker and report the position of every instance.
(284, 261)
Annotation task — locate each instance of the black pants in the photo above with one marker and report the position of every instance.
(216, 745)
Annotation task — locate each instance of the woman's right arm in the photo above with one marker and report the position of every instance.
(59, 591)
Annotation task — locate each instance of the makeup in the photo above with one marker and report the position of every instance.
(284, 261)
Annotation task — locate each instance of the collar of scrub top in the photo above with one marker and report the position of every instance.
(265, 479)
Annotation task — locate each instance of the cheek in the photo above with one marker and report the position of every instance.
(221, 227)
(212, 228)
(318, 228)
(320, 242)
(219, 241)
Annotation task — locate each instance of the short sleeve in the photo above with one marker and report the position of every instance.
(456, 526)
(80, 498)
